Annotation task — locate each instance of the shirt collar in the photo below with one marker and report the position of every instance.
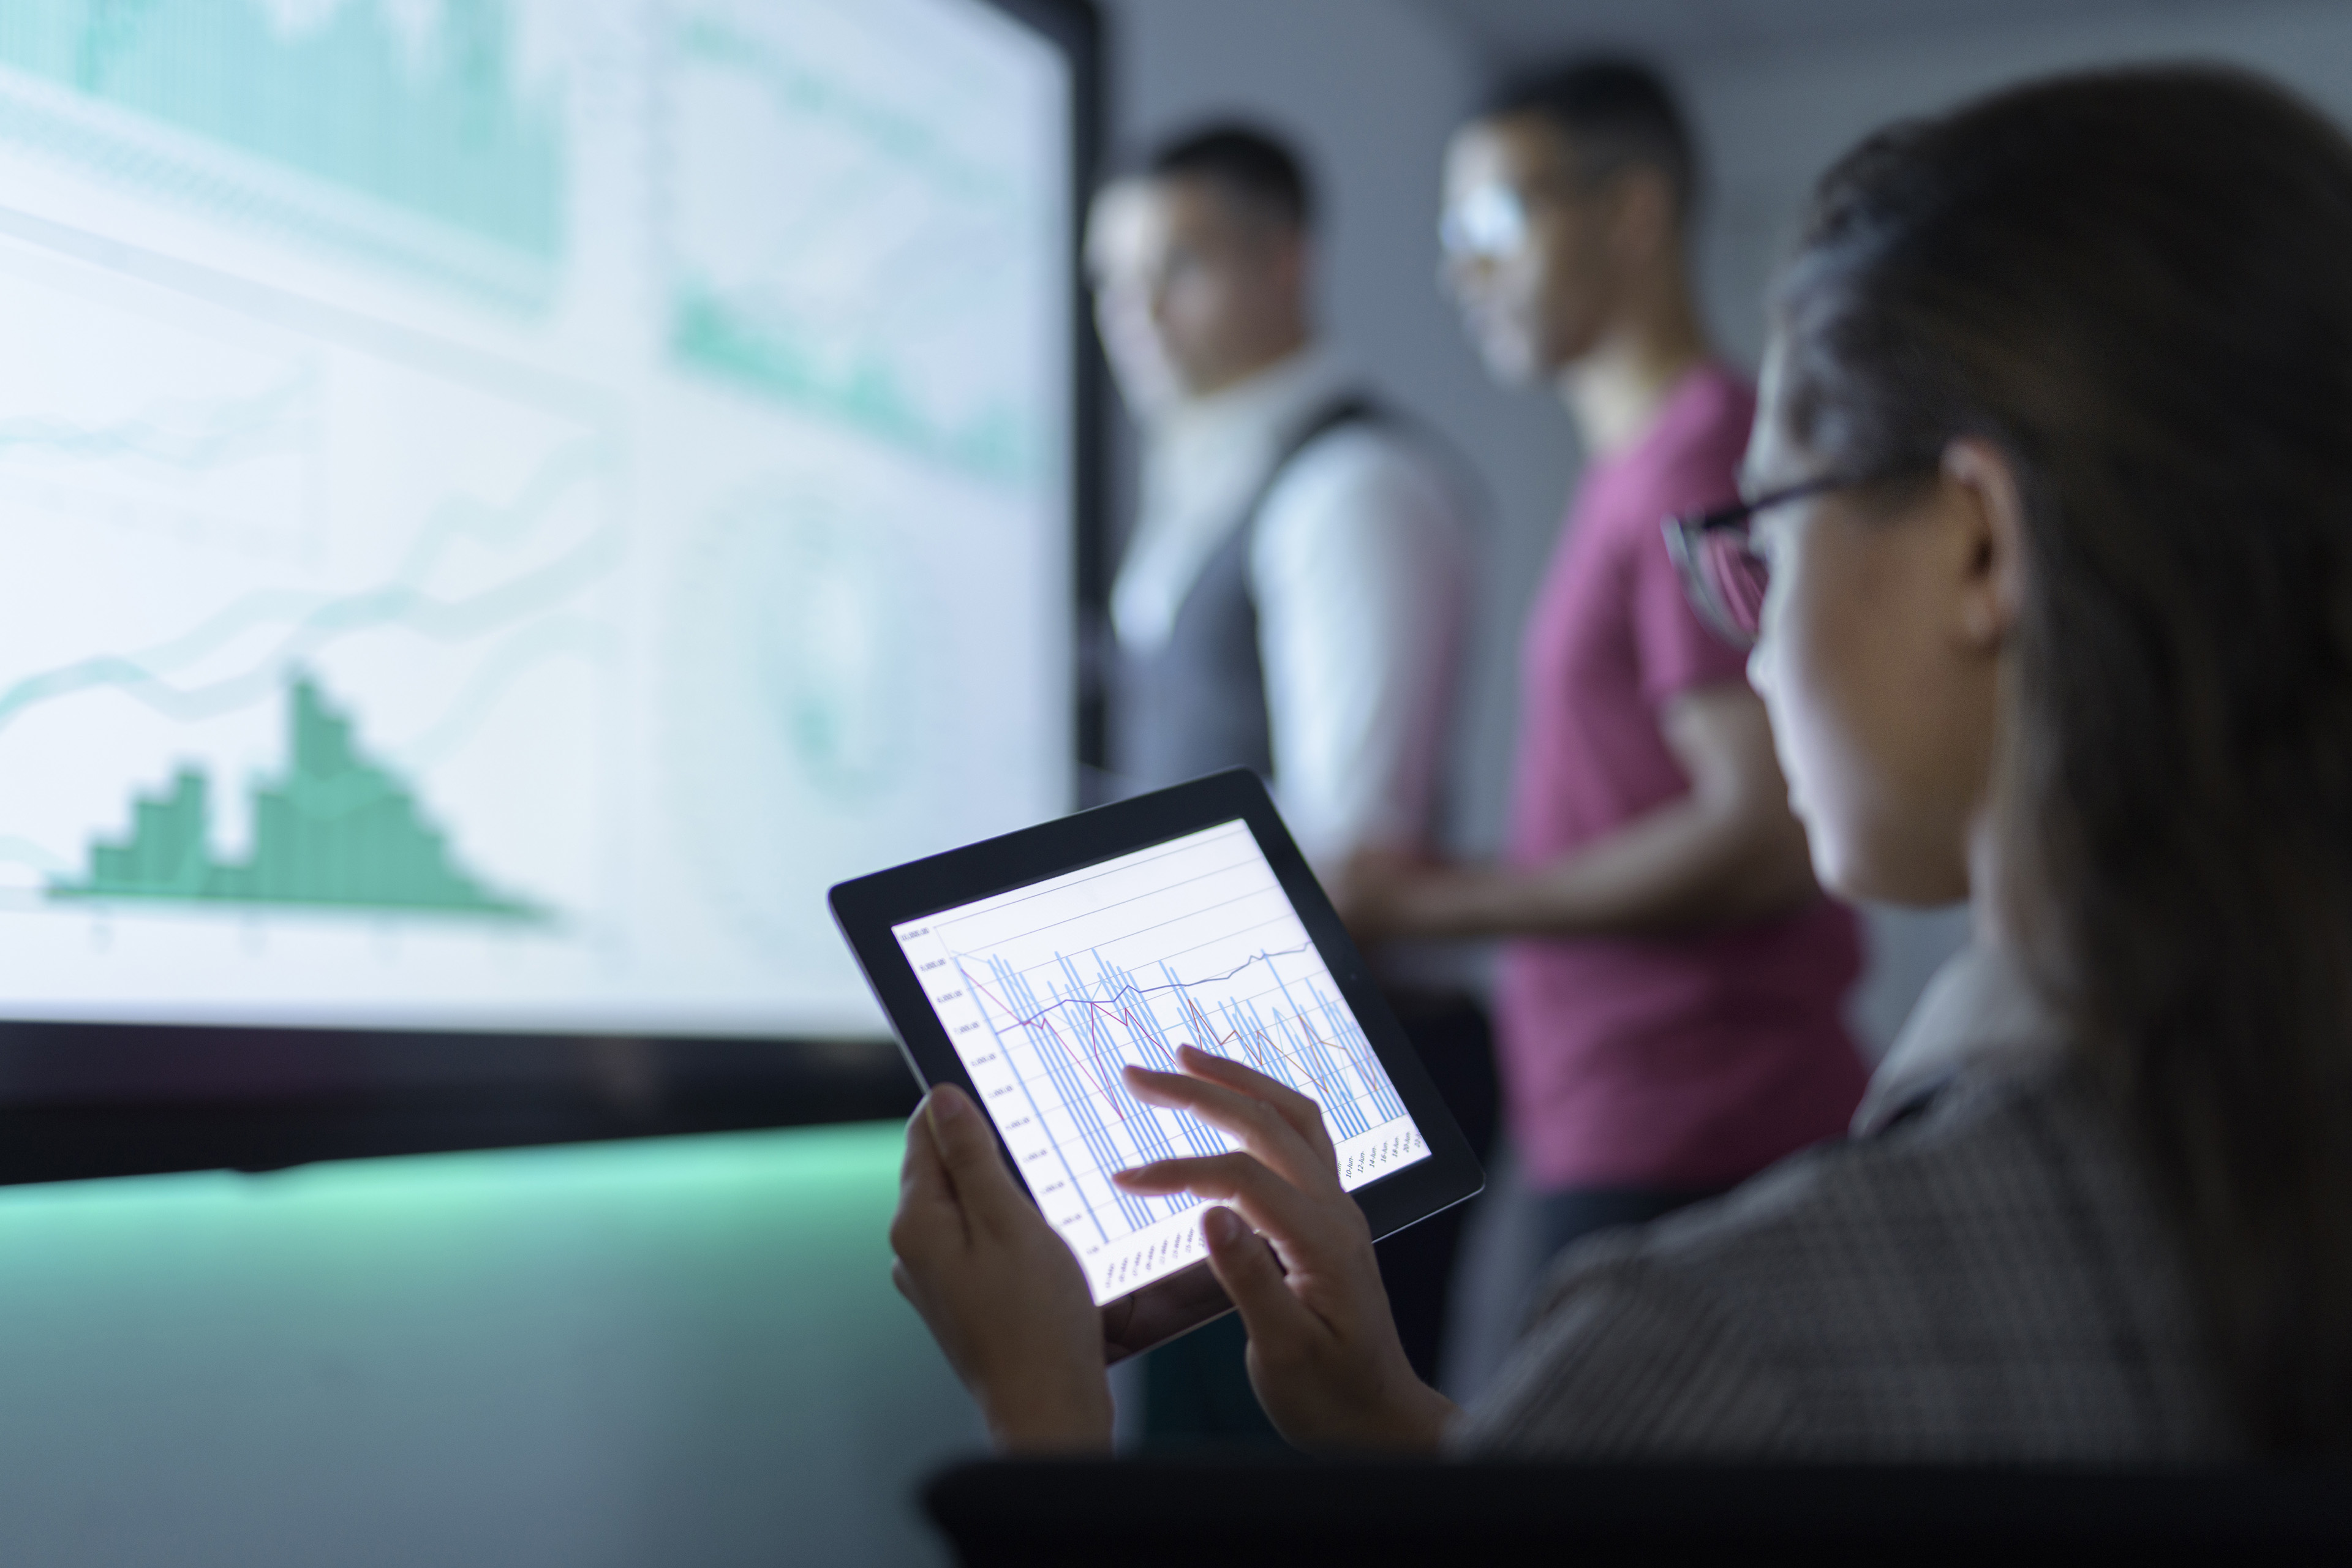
(1260, 405)
(1979, 1008)
(1202, 460)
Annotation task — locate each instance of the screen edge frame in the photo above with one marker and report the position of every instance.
(867, 908)
(94, 1100)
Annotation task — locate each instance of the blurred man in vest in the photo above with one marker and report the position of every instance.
(1291, 599)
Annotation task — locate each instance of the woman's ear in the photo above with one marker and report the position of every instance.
(1981, 488)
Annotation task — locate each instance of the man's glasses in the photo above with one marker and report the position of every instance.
(1486, 225)
(1722, 576)
(1492, 221)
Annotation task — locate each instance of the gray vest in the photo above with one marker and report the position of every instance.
(1197, 704)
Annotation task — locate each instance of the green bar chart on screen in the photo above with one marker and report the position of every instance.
(424, 149)
(336, 831)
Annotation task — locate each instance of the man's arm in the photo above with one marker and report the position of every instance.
(1360, 574)
(1728, 851)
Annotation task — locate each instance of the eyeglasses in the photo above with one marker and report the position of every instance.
(1722, 576)
(1491, 221)
(1486, 225)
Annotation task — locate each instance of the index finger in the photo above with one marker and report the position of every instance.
(1261, 1128)
(920, 1169)
(927, 1203)
(1303, 1114)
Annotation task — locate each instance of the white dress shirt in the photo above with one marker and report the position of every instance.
(1361, 575)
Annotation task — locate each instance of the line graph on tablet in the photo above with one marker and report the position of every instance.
(1047, 991)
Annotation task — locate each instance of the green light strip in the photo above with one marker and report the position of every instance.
(856, 1161)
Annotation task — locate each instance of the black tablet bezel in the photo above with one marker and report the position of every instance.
(866, 909)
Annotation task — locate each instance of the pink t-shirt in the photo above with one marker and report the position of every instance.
(1688, 1061)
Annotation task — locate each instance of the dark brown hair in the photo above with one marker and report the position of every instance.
(1250, 164)
(2139, 286)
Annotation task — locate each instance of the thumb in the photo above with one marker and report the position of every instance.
(1244, 1265)
(966, 1147)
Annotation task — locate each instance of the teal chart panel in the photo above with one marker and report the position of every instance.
(506, 500)
(873, 261)
(425, 144)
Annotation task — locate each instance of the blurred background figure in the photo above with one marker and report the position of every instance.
(1292, 600)
(1670, 999)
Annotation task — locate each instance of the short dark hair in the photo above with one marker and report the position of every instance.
(1616, 113)
(1250, 163)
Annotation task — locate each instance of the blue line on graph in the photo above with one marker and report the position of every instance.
(1351, 1121)
(1360, 1050)
(1144, 1026)
(1073, 1097)
(1036, 1111)
(1141, 1121)
(1112, 1022)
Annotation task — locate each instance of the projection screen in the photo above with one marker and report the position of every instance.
(503, 502)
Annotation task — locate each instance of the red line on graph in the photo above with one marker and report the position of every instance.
(1114, 1004)
(1085, 1059)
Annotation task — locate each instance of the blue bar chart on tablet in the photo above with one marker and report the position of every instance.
(1048, 990)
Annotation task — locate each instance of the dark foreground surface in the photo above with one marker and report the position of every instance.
(1232, 1513)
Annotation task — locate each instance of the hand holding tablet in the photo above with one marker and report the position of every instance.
(1155, 1007)
(1326, 1363)
(1000, 1293)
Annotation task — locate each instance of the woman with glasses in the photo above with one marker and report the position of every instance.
(2049, 569)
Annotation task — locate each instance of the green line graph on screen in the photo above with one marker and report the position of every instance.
(293, 625)
(180, 435)
(245, 466)
(883, 258)
(408, 132)
(487, 623)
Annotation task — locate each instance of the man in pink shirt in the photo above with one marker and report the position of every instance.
(1669, 1004)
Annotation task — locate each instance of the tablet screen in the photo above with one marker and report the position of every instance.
(1047, 990)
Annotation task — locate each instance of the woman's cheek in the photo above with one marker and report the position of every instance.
(1784, 697)
(1795, 742)
(1763, 677)
(1789, 670)
(1821, 796)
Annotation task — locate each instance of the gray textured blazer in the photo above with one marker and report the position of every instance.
(1979, 1274)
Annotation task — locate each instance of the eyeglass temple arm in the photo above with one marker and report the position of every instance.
(1681, 532)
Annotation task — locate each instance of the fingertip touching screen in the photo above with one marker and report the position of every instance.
(1047, 990)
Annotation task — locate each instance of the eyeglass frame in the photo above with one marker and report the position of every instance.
(1686, 532)
(1453, 224)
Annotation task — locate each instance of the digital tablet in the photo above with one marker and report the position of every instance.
(1029, 969)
